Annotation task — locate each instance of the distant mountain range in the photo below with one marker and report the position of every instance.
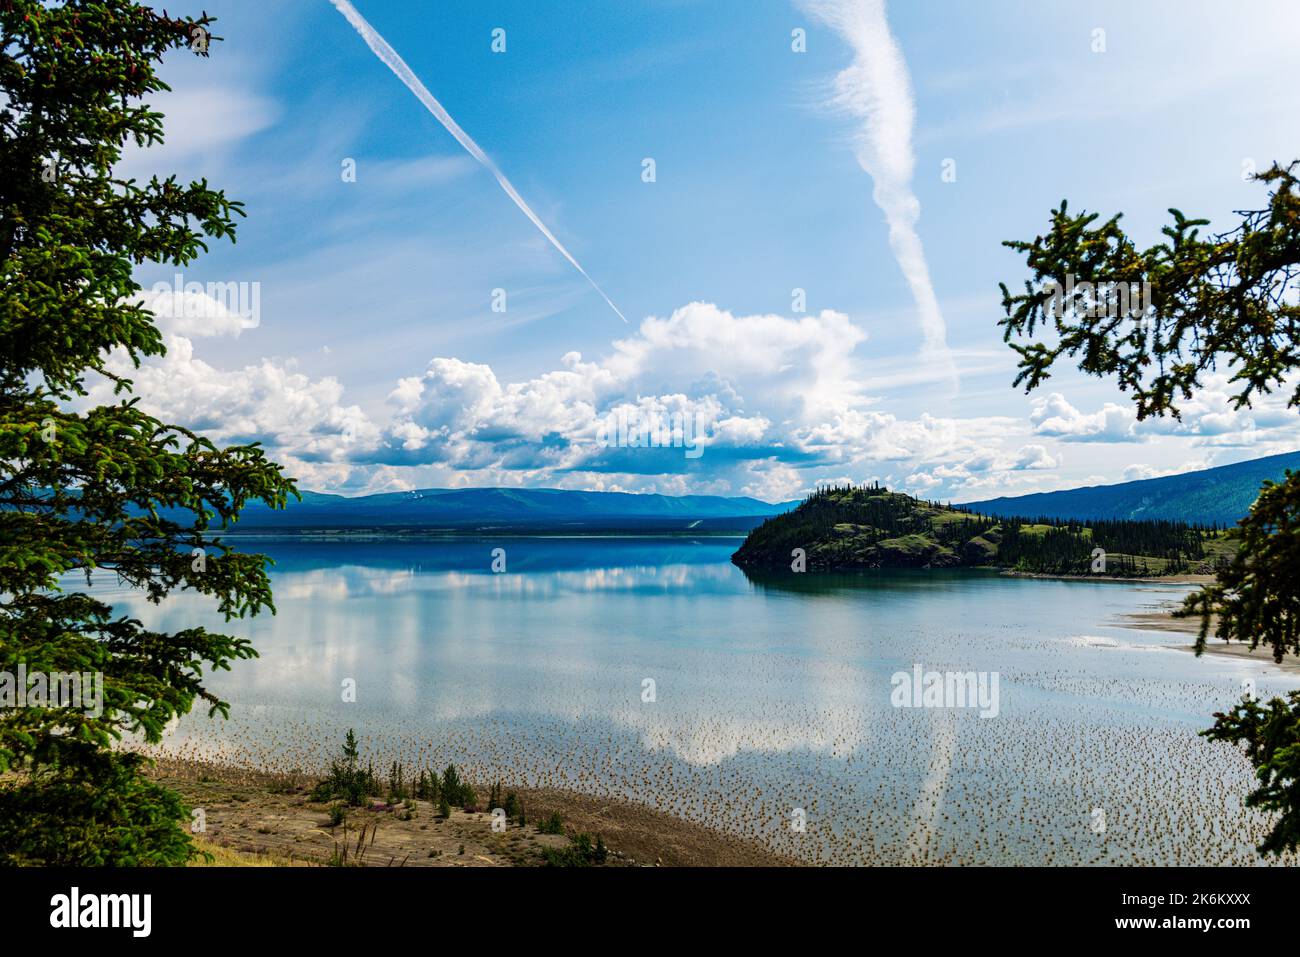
(514, 509)
(1223, 495)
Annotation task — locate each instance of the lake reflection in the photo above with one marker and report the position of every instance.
(768, 695)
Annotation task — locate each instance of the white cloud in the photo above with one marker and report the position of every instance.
(1054, 416)
(921, 482)
(700, 361)
(1209, 417)
(984, 470)
(302, 421)
(772, 481)
(1033, 457)
(1138, 471)
(780, 398)
(203, 123)
(201, 310)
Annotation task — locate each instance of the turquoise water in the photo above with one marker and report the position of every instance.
(771, 698)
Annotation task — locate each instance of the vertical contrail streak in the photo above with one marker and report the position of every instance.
(877, 90)
(395, 63)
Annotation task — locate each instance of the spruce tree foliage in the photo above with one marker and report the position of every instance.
(347, 781)
(1229, 302)
(81, 490)
(429, 787)
(451, 785)
(397, 783)
(1269, 732)
(580, 852)
(456, 791)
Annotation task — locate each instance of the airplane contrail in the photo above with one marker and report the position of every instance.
(395, 63)
(877, 89)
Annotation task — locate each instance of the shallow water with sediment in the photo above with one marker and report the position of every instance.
(656, 671)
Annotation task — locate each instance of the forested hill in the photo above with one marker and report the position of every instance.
(1221, 495)
(872, 527)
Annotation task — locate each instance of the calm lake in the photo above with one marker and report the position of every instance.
(654, 669)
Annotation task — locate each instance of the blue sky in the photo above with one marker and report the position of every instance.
(376, 361)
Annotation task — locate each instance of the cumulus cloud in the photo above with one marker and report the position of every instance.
(1209, 418)
(203, 309)
(776, 403)
(1033, 457)
(1138, 471)
(984, 470)
(302, 420)
(1053, 415)
(753, 392)
(761, 405)
(692, 368)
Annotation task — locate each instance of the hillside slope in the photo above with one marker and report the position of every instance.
(872, 527)
(1219, 496)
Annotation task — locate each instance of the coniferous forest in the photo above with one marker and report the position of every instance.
(842, 527)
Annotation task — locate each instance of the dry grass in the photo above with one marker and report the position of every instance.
(254, 819)
(228, 857)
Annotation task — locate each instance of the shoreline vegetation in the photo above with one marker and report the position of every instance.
(254, 818)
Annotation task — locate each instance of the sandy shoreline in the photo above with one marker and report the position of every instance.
(1163, 620)
(270, 819)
